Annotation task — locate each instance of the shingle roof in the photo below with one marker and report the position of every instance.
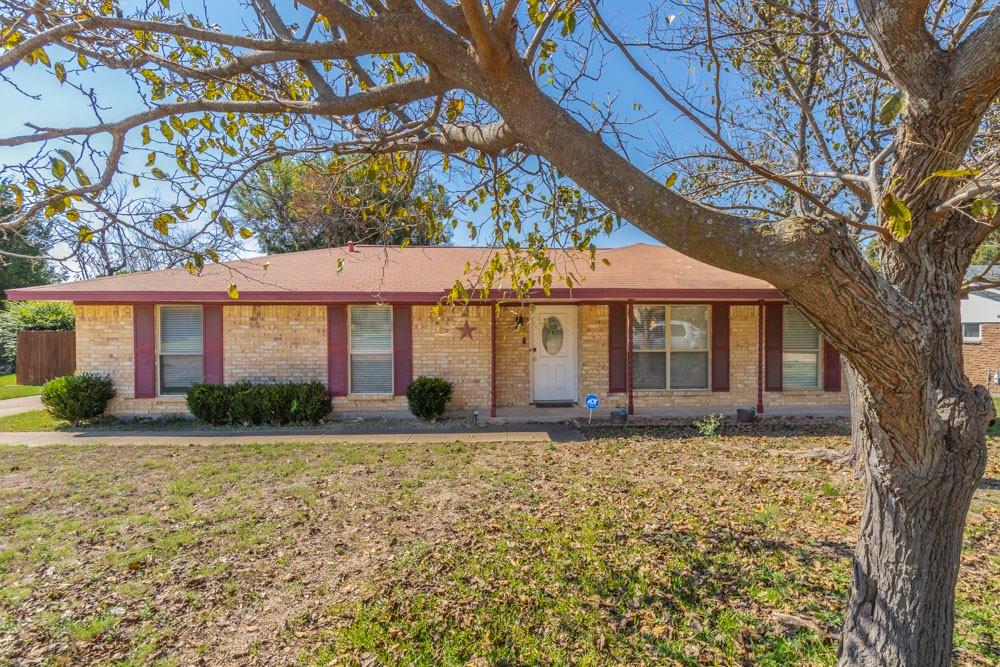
(415, 274)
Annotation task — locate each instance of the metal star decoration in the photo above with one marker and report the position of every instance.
(466, 330)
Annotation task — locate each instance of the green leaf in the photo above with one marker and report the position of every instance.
(58, 168)
(984, 207)
(233, 293)
(85, 234)
(82, 177)
(952, 173)
(891, 107)
(246, 233)
(898, 215)
(671, 180)
(66, 155)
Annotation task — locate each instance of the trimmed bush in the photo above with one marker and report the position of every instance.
(273, 404)
(77, 398)
(210, 402)
(428, 397)
(312, 403)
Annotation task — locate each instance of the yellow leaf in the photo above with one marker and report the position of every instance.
(58, 168)
(72, 215)
(85, 234)
(234, 293)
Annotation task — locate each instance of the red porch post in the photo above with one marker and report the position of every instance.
(628, 357)
(493, 360)
(760, 357)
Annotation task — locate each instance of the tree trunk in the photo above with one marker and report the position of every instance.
(902, 606)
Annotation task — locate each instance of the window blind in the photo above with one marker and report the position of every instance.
(680, 361)
(800, 353)
(371, 349)
(181, 341)
(649, 351)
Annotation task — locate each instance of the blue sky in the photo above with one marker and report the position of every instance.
(62, 106)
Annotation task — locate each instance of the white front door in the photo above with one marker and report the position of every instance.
(553, 353)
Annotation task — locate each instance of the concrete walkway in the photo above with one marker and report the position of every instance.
(523, 433)
(15, 406)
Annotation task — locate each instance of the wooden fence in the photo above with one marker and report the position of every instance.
(43, 355)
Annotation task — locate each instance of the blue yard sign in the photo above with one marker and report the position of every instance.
(591, 402)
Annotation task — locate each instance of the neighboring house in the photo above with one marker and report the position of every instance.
(359, 320)
(981, 331)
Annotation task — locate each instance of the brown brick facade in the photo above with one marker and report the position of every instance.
(982, 359)
(289, 342)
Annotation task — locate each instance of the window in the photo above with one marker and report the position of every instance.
(800, 356)
(371, 349)
(180, 348)
(677, 361)
(972, 332)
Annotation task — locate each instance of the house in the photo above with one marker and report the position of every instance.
(981, 330)
(699, 339)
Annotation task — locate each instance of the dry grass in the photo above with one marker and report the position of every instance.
(648, 548)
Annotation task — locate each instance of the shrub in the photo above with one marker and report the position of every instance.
(31, 316)
(709, 426)
(274, 404)
(243, 405)
(210, 402)
(312, 403)
(76, 398)
(428, 397)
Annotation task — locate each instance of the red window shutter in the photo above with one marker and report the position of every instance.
(773, 334)
(144, 350)
(720, 347)
(212, 343)
(402, 349)
(831, 368)
(617, 347)
(336, 347)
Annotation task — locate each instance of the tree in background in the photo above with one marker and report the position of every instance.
(22, 250)
(305, 204)
(122, 236)
(815, 127)
(31, 316)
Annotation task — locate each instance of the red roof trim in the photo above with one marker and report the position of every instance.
(249, 297)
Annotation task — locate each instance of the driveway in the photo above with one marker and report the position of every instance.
(15, 406)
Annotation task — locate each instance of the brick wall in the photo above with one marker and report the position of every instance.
(983, 357)
(274, 343)
(440, 351)
(288, 342)
(513, 358)
(105, 345)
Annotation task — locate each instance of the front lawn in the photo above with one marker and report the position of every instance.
(10, 389)
(653, 548)
(33, 420)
